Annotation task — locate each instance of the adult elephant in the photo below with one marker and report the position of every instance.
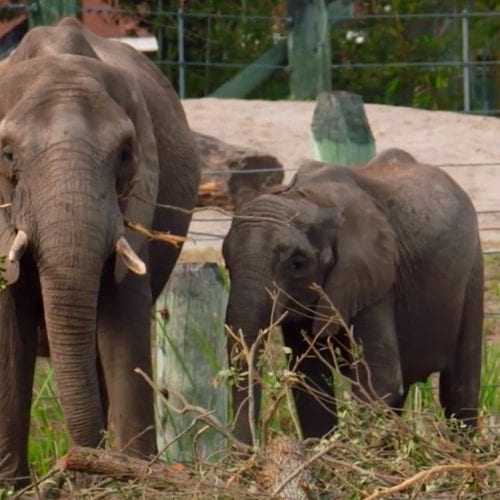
(395, 247)
(91, 133)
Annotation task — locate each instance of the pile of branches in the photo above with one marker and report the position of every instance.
(372, 453)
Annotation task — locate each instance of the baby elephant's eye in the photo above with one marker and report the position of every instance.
(8, 154)
(298, 263)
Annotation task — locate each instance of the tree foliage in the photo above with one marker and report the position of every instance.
(389, 58)
(221, 36)
(435, 42)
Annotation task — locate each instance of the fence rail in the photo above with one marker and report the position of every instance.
(463, 63)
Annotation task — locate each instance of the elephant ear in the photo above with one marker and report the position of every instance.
(139, 203)
(10, 270)
(365, 258)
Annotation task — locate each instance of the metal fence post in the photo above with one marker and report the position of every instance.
(465, 60)
(159, 31)
(181, 56)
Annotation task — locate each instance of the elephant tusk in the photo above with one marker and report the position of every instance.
(18, 247)
(129, 257)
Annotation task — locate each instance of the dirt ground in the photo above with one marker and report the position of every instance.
(282, 128)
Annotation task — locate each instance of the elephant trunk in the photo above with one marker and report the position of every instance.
(70, 305)
(71, 249)
(249, 311)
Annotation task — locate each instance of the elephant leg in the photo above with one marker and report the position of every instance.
(378, 374)
(18, 342)
(398, 403)
(315, 398)
(459, 382)
(103, 390)
(124, 343)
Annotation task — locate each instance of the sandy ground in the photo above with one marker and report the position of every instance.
(283, 129)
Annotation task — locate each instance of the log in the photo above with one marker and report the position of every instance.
(191, 351)
(223, 181)
(340, 129)
(122, 467)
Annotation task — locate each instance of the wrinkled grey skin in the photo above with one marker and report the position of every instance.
(88, 129)
(395, 247)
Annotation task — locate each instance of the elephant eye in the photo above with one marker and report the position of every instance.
(8, 154)
(298, 263)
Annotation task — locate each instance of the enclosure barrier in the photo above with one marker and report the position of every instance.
(334, 17)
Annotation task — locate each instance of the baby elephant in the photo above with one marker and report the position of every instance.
(394, 246)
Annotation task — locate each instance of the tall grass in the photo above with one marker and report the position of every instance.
(48, 436)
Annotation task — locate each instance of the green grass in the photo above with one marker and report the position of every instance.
(48, 437)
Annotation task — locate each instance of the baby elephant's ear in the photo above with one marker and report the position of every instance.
(365, 262)
(140, 202)
(10, 270)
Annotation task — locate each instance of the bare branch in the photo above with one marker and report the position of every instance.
(425, 474)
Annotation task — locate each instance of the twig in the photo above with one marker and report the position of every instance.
(170, 239)
(251, 389)
(360, 470)
(197, 437)
(131, 440)
(6, 205)
(215, 209)
(176, 438)
(292, 408)
(488, 493)
(19, 494)
(423, 475)
(204, 416)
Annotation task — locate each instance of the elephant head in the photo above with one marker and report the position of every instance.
(327, 232)
(77, 155)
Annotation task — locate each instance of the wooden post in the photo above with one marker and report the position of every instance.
(309, 48)
(340, 129)
(253, 75)
(191, 350)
